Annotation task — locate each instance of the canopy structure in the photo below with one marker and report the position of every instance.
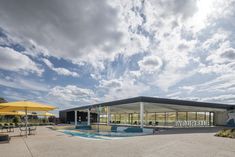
(17, 113)
(143, 110)
(24, 106)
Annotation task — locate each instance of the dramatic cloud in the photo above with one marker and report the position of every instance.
(60, 71)
(76, 30)
(73, 93)
(24, 84)
(12, 60)
(113, 50)
(150, 64)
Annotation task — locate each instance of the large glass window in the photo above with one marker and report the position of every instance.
(200, 115)
(212, 118)
(150, 119)
(124, 118)
(112, 118)
(192, 115)
(135, 118)
(170, 118)
(182, 116)
(103, 118)
(160, 118)
(117, 118)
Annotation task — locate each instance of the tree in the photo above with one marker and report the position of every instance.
(16, 120)
(2, 100)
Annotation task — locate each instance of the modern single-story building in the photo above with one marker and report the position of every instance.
(150, 112)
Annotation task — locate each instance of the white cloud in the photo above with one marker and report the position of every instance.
(150, 64)
(222, 83)
(75, 30)
(227, 98)
(167, 45)
(25, 84)
(122, 87)
(12, 60)
(115, 83)
(60, 71)
(73, 93)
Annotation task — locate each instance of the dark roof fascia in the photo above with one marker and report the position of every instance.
(156, 100)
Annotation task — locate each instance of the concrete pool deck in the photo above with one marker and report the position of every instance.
(170, 143)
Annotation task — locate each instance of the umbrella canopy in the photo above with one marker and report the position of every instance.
(24, 105)
(46, 114)
(17, 113)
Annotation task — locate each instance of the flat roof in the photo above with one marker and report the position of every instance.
(155, 100)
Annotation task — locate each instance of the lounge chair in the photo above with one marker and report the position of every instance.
(11, 127)
(6, 126)
(1, 127)
(22, 129)
(32, 130)
(4, 138)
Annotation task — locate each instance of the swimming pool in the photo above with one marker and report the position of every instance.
(105, 135)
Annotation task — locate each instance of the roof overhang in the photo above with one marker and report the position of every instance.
(152, 104)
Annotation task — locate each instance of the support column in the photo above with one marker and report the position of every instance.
(141, 114)
(177, 116)
(75, 118)
(131, 118)
(210, 118)
(165, 118)
(108, 115)
(155, 118)
(88, 117)
(146, 118)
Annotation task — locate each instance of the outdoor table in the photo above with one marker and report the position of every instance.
(29, 130)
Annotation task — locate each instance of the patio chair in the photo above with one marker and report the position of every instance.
(150, 123)
(22, 129)
(4, 138)
(1, 127)
(11, 127)
(156, 123)
(32, 130)
(6, 126)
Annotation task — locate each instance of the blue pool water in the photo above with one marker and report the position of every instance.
(101, 135)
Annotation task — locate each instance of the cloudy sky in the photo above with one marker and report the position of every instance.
(78, 52)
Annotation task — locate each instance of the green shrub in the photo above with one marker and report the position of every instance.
(230, 133)
(16, 120)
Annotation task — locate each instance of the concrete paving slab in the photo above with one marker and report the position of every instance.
(56, 144)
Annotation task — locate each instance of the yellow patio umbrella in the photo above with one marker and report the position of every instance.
(16, 113)
(46, 114)
(24, 106)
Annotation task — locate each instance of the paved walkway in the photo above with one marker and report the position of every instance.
(172, 143)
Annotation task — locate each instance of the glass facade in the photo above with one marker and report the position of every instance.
(161, 119)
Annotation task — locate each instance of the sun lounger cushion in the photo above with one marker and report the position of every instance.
(4, 138)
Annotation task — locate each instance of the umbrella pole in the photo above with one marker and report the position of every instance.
(26, 122)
